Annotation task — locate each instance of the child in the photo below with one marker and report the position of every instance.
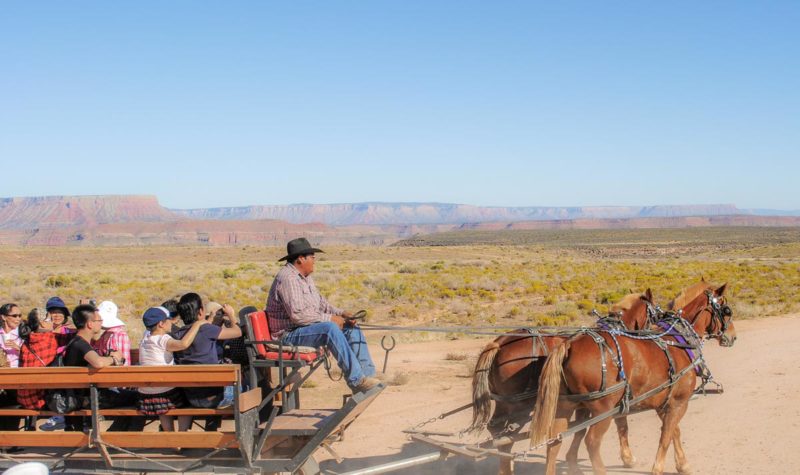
(155, 349)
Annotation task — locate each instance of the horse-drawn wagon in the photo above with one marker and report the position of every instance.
(269, 432)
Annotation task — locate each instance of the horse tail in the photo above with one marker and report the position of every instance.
(481, 395)
(544, 412)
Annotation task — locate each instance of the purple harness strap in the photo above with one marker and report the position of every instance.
(681, 340)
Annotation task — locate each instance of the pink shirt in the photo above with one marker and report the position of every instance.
(64, 330)
(12, 354)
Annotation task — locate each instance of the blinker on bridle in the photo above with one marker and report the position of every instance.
(720, 311)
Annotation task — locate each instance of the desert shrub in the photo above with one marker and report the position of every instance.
(59, 280)
(564, 309)
(459, 307)
(612, 297)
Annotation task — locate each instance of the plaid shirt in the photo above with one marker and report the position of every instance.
(294, 301)
(39, 351)
(114, 339)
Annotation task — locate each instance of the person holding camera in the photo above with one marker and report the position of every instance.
(203, 349)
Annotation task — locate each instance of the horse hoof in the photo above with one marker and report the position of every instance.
(685, 470)
(629, 462)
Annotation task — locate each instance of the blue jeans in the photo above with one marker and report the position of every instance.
(348, 346)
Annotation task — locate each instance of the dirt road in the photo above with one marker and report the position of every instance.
(754, 427)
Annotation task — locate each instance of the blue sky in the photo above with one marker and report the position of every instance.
(491, 103)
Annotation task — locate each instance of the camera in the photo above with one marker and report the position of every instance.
(220, 319)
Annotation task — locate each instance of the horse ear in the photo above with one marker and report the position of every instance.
(702, 279)
(648, 294)
(720, 290)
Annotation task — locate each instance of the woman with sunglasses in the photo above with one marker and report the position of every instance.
(10, 344)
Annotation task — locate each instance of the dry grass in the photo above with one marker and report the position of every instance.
(472, 285)
(456, 356)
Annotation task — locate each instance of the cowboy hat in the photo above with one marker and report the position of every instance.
(298, 247)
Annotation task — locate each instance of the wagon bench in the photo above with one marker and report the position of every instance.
(282, 443)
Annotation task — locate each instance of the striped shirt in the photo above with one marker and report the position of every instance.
(294, 301)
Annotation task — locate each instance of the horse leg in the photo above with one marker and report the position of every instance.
(506, 465)
(560, 424)
(594, 437)
(624, 447)
(572, 453)
(669, 421)
(681, 463)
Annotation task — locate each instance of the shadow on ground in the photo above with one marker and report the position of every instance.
(456, 465)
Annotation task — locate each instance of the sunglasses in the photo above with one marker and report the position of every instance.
(15, 315)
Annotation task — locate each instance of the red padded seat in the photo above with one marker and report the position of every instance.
(259, 323)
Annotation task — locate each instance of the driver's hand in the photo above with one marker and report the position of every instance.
(339, 321)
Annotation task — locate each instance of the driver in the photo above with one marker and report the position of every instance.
(299, 315)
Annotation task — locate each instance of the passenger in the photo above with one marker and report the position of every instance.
(216, 315)
(79, 352)
(172, 306)
(39, 345)
(115, 337)
(299, 315)
(10, 343)
(38, 350)
(59, 314)
(156, 349)
(203, 350)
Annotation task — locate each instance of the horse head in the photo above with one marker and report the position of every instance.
(707, 310)
(636, 311)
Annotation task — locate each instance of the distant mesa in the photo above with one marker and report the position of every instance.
(347, 214)
(141, 220)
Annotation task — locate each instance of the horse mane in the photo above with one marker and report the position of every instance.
(626, 303)
(688, 294)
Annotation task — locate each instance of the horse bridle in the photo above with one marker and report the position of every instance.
(614, 319)
(653, 313)
(720, 316)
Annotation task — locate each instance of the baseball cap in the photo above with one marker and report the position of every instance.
(154, 315)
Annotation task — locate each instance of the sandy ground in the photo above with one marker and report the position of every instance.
(754, 427)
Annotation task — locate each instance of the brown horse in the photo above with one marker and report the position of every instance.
(572, 372)
(508, 372)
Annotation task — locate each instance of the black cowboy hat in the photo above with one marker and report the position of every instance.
(298, 247)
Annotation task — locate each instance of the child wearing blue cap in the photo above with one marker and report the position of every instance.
(156, 349)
